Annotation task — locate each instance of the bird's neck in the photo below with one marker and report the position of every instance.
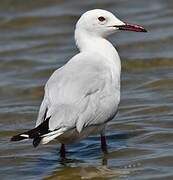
(90, 42)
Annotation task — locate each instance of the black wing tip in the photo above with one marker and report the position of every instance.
(35, 133)
(36, 141)
(18, 138)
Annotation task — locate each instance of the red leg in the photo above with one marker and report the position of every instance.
(103, 144)
(62, 151)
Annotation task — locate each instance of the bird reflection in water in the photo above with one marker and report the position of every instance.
(67, 171)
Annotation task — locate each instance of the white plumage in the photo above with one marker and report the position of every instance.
(86, 90)
(83, 95)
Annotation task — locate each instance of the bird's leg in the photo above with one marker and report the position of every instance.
(103, 144)
(62, 152)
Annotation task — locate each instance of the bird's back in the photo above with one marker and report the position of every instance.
(81, 93)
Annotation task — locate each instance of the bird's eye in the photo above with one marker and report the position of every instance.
(101, 18)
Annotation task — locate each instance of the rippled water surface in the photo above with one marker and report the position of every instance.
(36, 37)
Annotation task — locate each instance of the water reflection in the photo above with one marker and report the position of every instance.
(88, 171)
(100, 167)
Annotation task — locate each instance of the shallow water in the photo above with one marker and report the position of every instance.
(36, 37)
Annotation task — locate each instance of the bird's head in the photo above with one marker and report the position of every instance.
(103, 23)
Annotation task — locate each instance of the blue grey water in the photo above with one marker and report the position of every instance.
(36, 37)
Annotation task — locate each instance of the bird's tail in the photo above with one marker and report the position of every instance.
(40, 134)
(35, 134)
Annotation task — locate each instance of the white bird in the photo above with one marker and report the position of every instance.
(83, 95)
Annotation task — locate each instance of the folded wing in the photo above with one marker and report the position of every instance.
(79, 94)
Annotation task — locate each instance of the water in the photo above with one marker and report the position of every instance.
(36, 37)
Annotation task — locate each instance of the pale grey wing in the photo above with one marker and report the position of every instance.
(99, 109)
(42, 114)
(80, 94)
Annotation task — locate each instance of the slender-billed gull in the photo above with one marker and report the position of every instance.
(83, 95)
